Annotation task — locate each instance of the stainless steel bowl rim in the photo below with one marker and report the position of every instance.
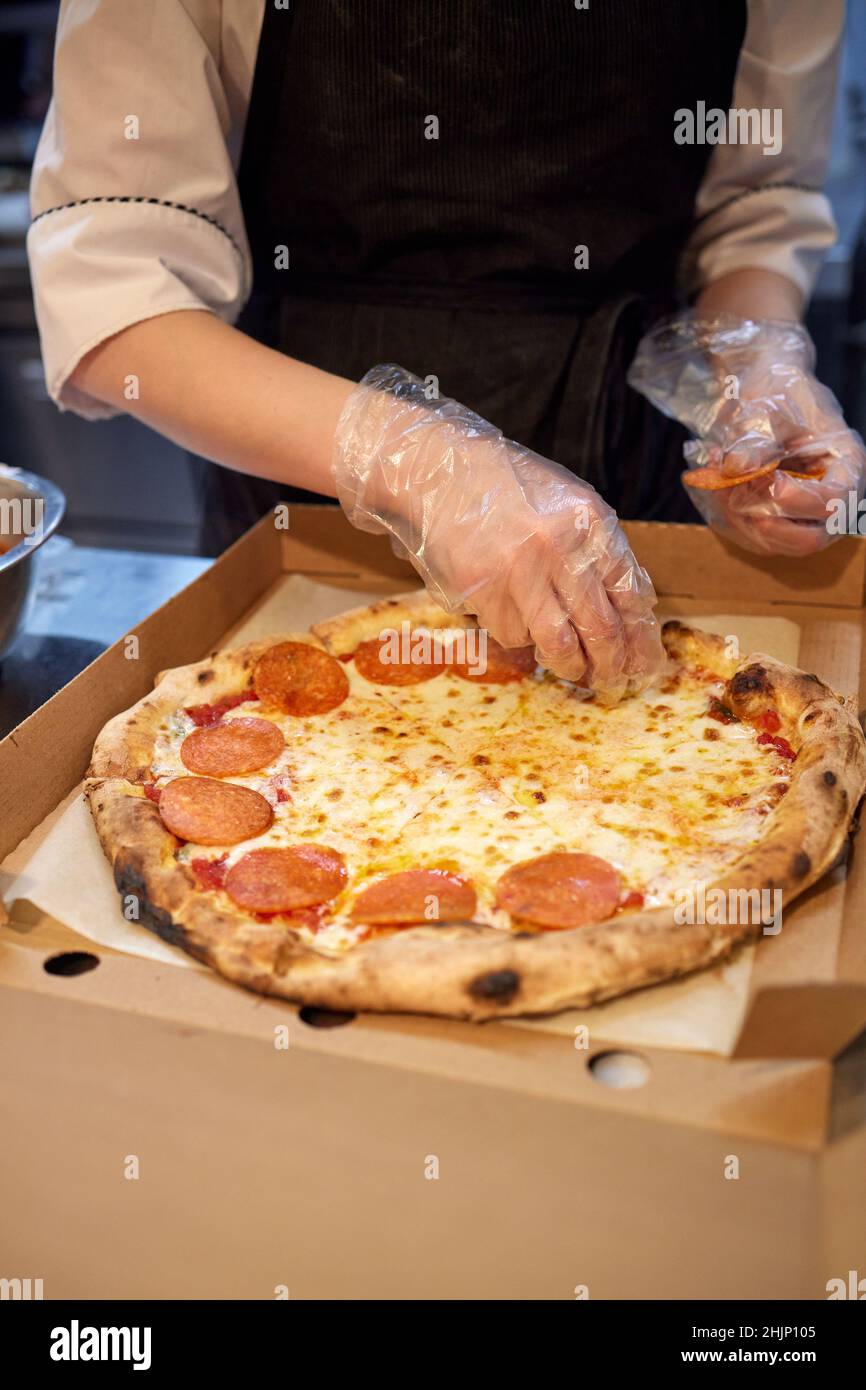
(55, 505)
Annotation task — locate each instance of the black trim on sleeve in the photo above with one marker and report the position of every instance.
(762, 188)
(157, 202)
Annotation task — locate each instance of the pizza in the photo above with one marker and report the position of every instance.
(390, 812)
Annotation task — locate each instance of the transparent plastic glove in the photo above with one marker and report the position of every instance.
(497, 531)
(746, 389)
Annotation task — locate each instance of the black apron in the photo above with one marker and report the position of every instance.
(455, 256)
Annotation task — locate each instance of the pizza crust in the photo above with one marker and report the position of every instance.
(472, 971)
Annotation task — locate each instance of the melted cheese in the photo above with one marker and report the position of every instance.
(474, 778)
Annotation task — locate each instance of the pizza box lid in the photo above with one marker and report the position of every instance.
(809, 1001)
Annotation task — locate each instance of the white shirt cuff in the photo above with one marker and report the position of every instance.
(779, 228)
(100, 265)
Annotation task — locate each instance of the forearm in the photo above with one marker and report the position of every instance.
(217, 392)
(753, 294)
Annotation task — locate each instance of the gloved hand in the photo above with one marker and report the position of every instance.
(497, 531)
(773, 452)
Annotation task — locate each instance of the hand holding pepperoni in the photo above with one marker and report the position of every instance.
(499, 532)
(773, 458)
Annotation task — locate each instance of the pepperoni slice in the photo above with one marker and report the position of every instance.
(300, 679)
(807, 462)
(503, 664)
(814, 475)
(213, 813)
(377, 661)
(416, 895)
(713, 478)
(560, 890)
(282, 880)
(233, 747)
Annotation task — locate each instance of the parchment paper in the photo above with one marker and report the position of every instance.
(61, 870)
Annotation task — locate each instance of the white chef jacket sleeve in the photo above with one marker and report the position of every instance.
(767, 210)
(134, 202)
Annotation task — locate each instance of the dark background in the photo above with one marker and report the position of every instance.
(128, 488)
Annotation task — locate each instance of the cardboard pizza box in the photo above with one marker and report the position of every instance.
(169, 1135)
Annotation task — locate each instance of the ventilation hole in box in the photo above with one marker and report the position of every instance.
(71, 963)
(324, 1018)
(622, 1071)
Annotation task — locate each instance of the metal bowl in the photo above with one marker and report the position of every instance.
(31, 508)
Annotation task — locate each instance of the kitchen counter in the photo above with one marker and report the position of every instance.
(84, 600)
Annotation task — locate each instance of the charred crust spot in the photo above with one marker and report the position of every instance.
(801, 864)
(100, 806)
(752, 681)
(498, 985)
(830, 778)
(480, 760)
(204, 676)
(325, 1018)
(807, 718)
(130, 882)
(673, 625)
